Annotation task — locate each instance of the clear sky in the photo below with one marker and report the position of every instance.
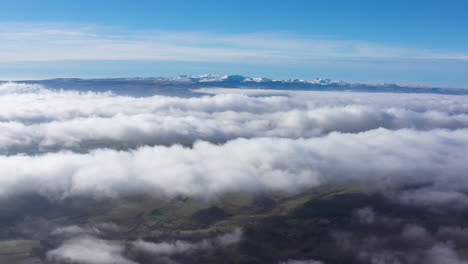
(413, 42)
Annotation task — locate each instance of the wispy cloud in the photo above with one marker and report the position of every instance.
(48, 42)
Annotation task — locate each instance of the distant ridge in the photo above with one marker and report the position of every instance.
(184, 83)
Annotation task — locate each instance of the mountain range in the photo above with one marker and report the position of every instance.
(183, 84)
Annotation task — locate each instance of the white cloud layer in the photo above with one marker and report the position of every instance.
(378, 159)
(283, 143)
(34, 119)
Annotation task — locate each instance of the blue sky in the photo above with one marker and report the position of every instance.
(413, 42)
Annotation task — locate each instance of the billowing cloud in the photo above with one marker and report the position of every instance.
(34, 119)
(88, 250)
(242, 141)
(378, 159)
(83, 247)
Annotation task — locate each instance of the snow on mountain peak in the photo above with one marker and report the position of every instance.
(241, 79)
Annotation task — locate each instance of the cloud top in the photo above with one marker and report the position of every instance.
(35, 120)
(68, 143)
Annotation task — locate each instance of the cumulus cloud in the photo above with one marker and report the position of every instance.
(378, 159)
(186, 127)
(178, 246)
(163, 145)
(165, 248)
(36, 120)
(83, 247)
(88, 250)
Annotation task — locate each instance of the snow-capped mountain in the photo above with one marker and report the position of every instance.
(206, 78)
(184, 84)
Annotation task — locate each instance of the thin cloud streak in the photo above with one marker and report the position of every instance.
(87, 42)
